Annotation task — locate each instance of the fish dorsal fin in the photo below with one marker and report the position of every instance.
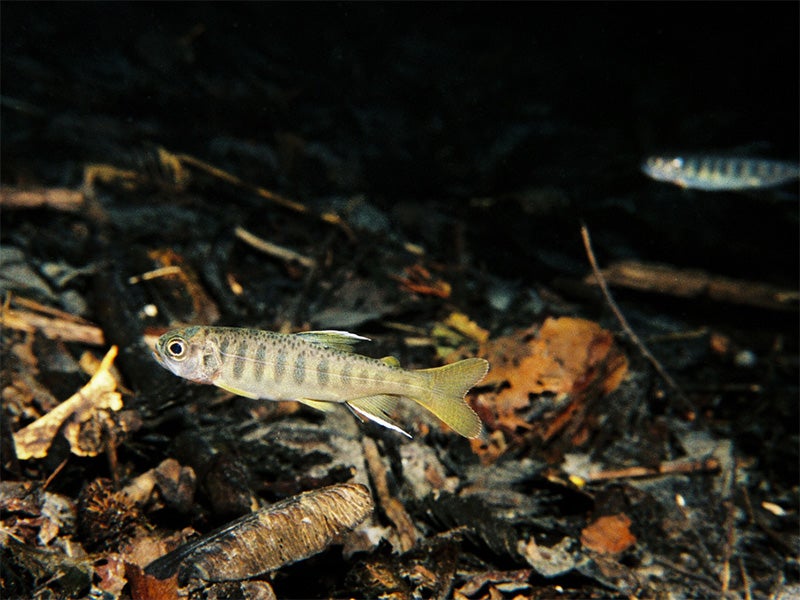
(376, 409)
(391, 361)
(337, 340)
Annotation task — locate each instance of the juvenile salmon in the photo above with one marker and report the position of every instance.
(319, 369)
(712, 173)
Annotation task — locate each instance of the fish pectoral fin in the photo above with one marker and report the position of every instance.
(376, 409)
(238, 392)
(390, 360)
(318, 404)
(337, 340)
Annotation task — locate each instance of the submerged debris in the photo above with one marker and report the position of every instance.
(428, 202)
(269, 538)
(98, 395)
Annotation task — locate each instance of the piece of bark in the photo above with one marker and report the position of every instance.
(54, 328)
(34, 440)
(393, 508)
(268, 539)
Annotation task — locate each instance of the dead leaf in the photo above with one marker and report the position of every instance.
(457, 337)
(111, 572)
(467, 327)
(419, 280)
(564, 357)
(147, 586)
(608, 534)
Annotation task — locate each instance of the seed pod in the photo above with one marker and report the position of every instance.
(268, 539)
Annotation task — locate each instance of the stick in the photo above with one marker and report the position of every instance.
(273, 249)
(394, 510)
(666, 468)
(62, 199)
(587, 243)
(53, 328)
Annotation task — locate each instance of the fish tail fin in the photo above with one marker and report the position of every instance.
(447, 387)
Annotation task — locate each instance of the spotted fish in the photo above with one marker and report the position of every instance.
(718, 173)
(319, 369)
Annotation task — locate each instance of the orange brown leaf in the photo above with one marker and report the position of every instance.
(608, 535)
(565, 356)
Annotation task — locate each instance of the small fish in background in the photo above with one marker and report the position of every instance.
(719, 173)
(320, 369)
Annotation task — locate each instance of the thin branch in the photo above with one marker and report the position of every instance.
(587, 243)
(273, 249)
(666, 468)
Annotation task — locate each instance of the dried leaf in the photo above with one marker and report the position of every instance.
(564, 357)
(111, 572)
(67, 576)
(419, 280)
(174, 483)
(457, 337)
(608, 535)
(464, 325)
(549, 561)
(148, 586)
(268, 539)
(99, 393)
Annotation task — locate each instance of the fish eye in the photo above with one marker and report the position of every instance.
(176, 348)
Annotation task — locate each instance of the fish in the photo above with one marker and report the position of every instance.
(320, 369)
(718, 173)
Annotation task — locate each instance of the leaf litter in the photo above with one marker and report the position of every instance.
(593, 478)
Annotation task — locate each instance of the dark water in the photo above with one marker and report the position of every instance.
(443, 104)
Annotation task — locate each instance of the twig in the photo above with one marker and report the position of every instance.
(327, 217)
(666, 468)
(587, 243)
(391, 506)
(47, 310)
(748, 595)
(729, 480)
(704, 580)
(53, 328)
(53, 475)
(273, 249)
(155, 273)
(62, 199)
(230, 178)
(704, 553)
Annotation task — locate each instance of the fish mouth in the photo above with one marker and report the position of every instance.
(158, 358)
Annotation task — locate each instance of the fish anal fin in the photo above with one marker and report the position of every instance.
(337, 340)
(237, 391)
(318, 404)
(376, 409)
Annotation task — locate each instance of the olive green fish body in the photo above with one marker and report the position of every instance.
(714, 173)
(319, 368)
